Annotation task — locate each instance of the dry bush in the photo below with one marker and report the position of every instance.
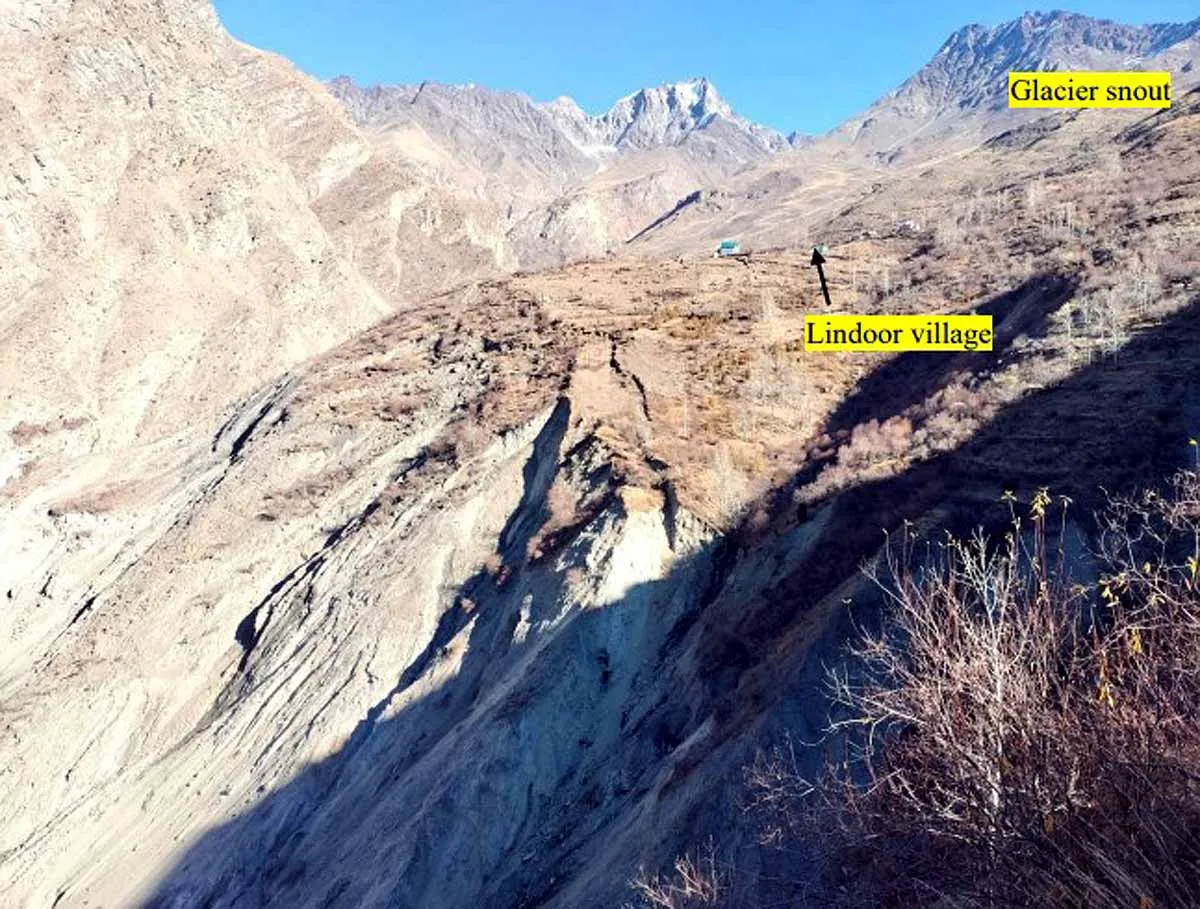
(696, 883)
(873, 444)
(945, 429)
(1141, 287)
(1035, 197)
(24, 433)
(1012, 738)
(728, 484)
(769, 311)
(1096, 322)
(875, 448)
(950, 233)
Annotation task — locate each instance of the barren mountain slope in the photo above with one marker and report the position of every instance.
(412, 221)
(777, 204)
(449, 616)
(517, 147)
(960, 97)
(538, 184)
(159, 254)
(612, 207)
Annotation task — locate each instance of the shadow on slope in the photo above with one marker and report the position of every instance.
(910, 378)
(1116, 425)
(549, 767)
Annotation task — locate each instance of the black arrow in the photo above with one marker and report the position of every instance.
(819, 260)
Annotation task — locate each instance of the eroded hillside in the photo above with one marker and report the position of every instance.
(159, 252)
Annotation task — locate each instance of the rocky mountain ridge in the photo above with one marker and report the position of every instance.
(667, 115)
(160, 252)
(969, 68)
(562, 184)
(963, 88)
(955, 103)
(648, 118)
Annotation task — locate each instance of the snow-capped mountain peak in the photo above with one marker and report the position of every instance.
(659, 116)
(663, 115)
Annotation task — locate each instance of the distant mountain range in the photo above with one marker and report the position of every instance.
(962, 90)
(966, 76)
(560, 182)
(566, 183)
(563, 184)
(668, 114)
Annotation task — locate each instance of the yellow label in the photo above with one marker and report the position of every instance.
(844, 332)
(1085, 89)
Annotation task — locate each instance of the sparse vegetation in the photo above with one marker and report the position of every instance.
(695, 883)
(1014, 735)
(727, 482)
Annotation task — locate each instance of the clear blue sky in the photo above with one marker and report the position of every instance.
(791, 65)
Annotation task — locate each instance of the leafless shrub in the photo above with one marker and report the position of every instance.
(778, 793)
(769, 310)
(949, 232)
(696, 883)
(728, 482)
(878, 448)
(24, 433)
(1110, 164)
(1099, 322)
(1035, 196)
(1143, 287)
(1013, 738)
(944, 429)
(873, 442)
(776, 381)
(1000, 202)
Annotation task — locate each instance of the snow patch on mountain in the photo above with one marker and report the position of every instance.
(661, 116)
(657, 117)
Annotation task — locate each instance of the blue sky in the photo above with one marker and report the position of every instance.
(797, 65)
